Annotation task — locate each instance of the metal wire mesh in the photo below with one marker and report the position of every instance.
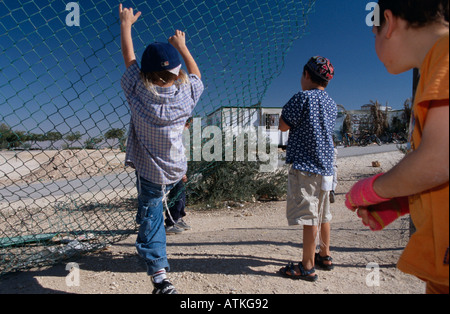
(63, 117)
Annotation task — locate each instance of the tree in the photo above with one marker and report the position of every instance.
(92, 142)
(11, 139)
(407, 111)
(4, 132)
(213, 182)
(118, 134)
(347, 127)
(377, 122)
(73, 137)
(53, 137)
(34, 138)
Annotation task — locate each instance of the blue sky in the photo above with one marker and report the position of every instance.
(55, 77)
(338, 31)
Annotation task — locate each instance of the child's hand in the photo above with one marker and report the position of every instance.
(379, 216)
(127, 17)
(178, 40)
(362, 194)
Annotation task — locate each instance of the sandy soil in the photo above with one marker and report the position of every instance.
(30, 166)
(238, 250)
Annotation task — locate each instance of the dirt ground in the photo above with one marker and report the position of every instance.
(18, 167)
(239, 250)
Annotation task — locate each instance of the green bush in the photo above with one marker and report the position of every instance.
(212, 183)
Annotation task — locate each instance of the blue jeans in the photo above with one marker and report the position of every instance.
(151, 239)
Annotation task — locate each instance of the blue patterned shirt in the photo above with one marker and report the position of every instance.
(311, 116)
(155, 141)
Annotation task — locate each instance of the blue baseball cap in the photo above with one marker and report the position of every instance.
(160, 57)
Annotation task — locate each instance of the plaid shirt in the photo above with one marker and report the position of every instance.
(155, 141)
(312, 117)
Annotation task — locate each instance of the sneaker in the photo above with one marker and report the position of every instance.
(165, 287)
(174, 229)
(182, 224)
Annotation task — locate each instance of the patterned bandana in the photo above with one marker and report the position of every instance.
(322, 67)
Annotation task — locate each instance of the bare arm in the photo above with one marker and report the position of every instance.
(283, 127)
(428, 166)
(179, 42)
(127, 19)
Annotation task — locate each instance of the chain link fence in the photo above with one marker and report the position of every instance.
(64, 189)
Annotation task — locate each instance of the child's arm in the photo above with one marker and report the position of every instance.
(424, 169)
(428, 166)
(283, 127)
(127, 19)
(179, 42)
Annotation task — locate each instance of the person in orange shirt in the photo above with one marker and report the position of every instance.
(415, 34)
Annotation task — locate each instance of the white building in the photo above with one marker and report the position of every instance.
(239, 118)
(369, 106)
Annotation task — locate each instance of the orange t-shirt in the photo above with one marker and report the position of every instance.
(426, 255)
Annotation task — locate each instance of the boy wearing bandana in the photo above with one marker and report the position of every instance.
(310, 117)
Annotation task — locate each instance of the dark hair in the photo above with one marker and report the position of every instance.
(417, 13)
(189, 121)
(315, 78)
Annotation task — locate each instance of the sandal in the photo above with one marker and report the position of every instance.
(319, 261)
(304, 274)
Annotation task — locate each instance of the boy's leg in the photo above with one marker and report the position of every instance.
(151, 239)
(309, 206)
(325, 240)
(309, 246)
(325, 229)
(301, 202)
(323, 217)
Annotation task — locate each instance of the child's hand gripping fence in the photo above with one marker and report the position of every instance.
(64, 189)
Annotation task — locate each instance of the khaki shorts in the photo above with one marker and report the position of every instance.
(307, 204)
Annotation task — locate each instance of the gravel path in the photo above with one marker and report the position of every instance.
(239, 250)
